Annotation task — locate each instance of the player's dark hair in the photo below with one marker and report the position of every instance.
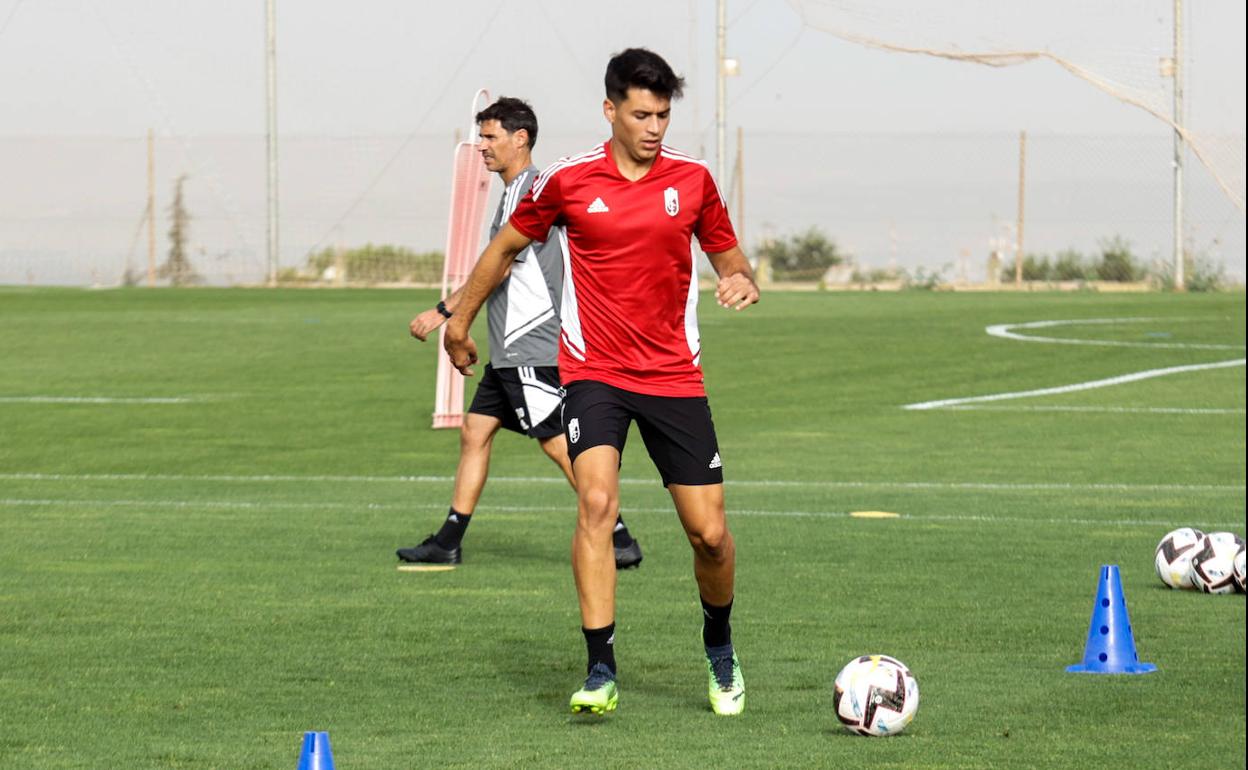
(512, 114)
(641, 68)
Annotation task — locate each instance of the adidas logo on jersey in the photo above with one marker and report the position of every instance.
(715, 462)
(597, 207)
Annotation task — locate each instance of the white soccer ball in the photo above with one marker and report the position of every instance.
(1173, 558)
(876, 695)
(1213, 564)
(1237, 573)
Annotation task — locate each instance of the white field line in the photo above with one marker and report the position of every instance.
(560, 481)
(504, 509)
(1076, 387)
(95, 400)
(1104, 409)
(1006, 331)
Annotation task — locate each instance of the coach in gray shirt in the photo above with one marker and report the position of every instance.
(519, 388)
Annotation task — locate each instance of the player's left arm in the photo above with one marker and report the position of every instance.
(737, 288)
(488, 273)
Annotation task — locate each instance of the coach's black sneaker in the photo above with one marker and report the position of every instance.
(628, 556)
(430, 552)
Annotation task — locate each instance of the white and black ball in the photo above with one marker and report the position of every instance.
(1173, 558)
(876, 695)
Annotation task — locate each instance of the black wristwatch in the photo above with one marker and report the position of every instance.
(443, 311)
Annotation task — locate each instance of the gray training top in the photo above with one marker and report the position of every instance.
(522, 311)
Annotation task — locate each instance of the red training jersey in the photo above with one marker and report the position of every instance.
(630, 289)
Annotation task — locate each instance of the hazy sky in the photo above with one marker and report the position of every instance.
(196, 67)
(905, 158)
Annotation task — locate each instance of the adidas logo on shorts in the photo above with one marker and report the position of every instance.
(715, 462)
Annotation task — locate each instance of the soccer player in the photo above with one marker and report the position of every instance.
(629, 350)
(520, 388)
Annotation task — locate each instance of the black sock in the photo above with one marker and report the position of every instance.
(716, 630)
(600, 643)
(452, 532)
(620, 535)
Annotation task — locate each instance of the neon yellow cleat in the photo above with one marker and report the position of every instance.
(599, 693)
(725, 685)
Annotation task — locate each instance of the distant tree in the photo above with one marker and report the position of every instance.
(378, 263)
(177, 267)
(1117, 261)
(1070, 265)
(1035, 268)
(805, 256)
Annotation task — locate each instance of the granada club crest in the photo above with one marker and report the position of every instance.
(671, 201)
(574, 430)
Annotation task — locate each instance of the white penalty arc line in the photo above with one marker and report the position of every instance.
(1100, 409)
(1006, 331)
(560, 481)
(506, 509)
(1078, 386)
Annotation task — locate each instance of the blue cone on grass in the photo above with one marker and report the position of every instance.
(316, 754)
(1111, 645)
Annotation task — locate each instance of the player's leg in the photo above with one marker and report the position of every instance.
(487, 413)
(680, 438)
(593, 558)
(701, 510)
(593, 568)
(627, 549)
(596, 424)
(541, 398)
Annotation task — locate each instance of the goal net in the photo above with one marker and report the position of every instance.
(1124, 48)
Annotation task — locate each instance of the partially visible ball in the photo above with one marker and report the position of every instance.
(1213, 564)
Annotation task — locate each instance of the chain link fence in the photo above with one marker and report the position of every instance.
(72, 210)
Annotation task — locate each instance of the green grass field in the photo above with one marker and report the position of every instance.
(194, 582)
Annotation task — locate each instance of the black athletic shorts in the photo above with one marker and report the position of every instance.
(525, 399)
(678, 432)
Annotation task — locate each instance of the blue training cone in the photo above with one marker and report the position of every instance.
(316, 754)
(1111, 645)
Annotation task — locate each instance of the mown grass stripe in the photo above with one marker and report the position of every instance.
(794, 484)
(494, 509)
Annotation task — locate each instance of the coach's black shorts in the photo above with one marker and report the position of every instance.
(678, 432)
(525, 399)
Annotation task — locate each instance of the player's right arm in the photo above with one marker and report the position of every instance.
(532, 219)
(427, 322)
(488, 273)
